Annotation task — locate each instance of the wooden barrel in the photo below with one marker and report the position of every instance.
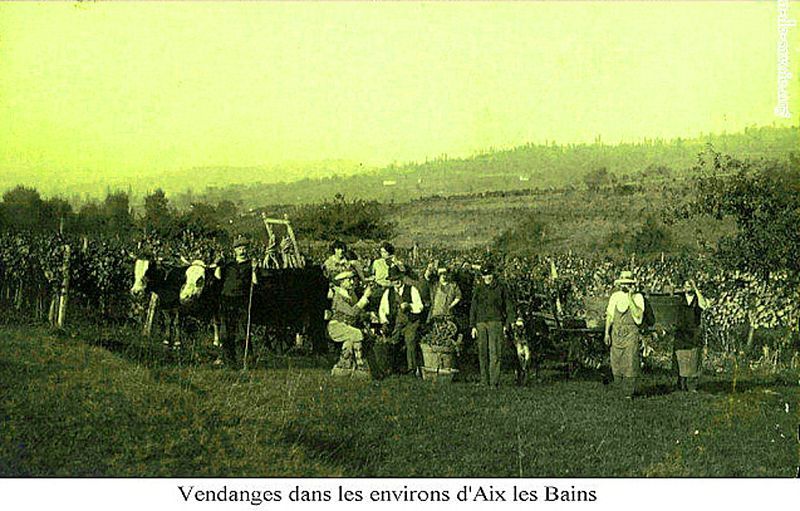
(438, 357)
(667, 310)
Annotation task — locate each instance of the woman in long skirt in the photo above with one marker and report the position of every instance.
(688, 340)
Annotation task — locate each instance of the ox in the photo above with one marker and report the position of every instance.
(166, 282)
(285, 299)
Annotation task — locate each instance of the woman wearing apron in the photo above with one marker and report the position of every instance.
(688, 340)
(624, 314)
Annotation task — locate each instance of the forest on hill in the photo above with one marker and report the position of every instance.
(531, 166)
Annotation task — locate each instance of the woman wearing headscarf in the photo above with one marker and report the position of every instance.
(624, 315)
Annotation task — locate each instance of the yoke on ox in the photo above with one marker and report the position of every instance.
(165, 283)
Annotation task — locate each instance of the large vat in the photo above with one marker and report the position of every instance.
(663, 311)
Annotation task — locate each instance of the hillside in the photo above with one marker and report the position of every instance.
(530, 166)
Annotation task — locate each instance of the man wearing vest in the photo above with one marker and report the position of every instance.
(400, 313)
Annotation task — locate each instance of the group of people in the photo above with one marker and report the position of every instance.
(402, 307)
(624, 318)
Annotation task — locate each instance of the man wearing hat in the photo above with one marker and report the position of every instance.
(346, 312)
(491, 313)
(400, 312)
(624, 315)
(688, 340)
(237, 277)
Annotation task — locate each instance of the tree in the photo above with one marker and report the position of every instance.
(343, 219)
(58, 211)
(92, 219)
(158, 216)
(763, 199)
(201, 219)
(23, 208)
(116, 209)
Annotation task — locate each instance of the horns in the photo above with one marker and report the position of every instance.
(197, 262)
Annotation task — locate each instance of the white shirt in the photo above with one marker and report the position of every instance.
(416, 302)
(619, 301)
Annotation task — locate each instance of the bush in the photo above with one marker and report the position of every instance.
(343, 219)
(651, 237)
(525, 238)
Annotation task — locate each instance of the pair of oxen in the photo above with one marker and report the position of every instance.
(287, 301)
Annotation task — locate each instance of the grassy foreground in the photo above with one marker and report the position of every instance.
(71, 407)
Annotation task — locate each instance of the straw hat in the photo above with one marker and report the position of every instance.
(625, 277)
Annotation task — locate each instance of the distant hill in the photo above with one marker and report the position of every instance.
(524, 167)
(186, 182)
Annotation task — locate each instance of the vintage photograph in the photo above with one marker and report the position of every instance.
(400, 239)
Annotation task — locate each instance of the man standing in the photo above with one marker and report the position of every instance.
(491, 313)
(400, 312)
(625, 313)
(237, 278)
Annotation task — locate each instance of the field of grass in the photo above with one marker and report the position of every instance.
(104, 403)
(581, 221)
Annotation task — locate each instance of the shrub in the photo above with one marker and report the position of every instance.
(343, 219)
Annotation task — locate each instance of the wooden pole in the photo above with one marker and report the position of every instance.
(294, 241)
(151, 313)
(285, 221)
(53, 314)
(62, 306)
(249, 321)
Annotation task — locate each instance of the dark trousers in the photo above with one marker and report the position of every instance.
(490, 347)
(234, 325)
(407, 332)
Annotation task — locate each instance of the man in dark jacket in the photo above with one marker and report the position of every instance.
(491, 313)
(237, 278)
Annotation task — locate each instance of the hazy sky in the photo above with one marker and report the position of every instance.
(99, 89)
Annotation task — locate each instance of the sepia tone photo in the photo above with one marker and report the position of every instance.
(400, 239)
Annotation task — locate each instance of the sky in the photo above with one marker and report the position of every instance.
(117, 91)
